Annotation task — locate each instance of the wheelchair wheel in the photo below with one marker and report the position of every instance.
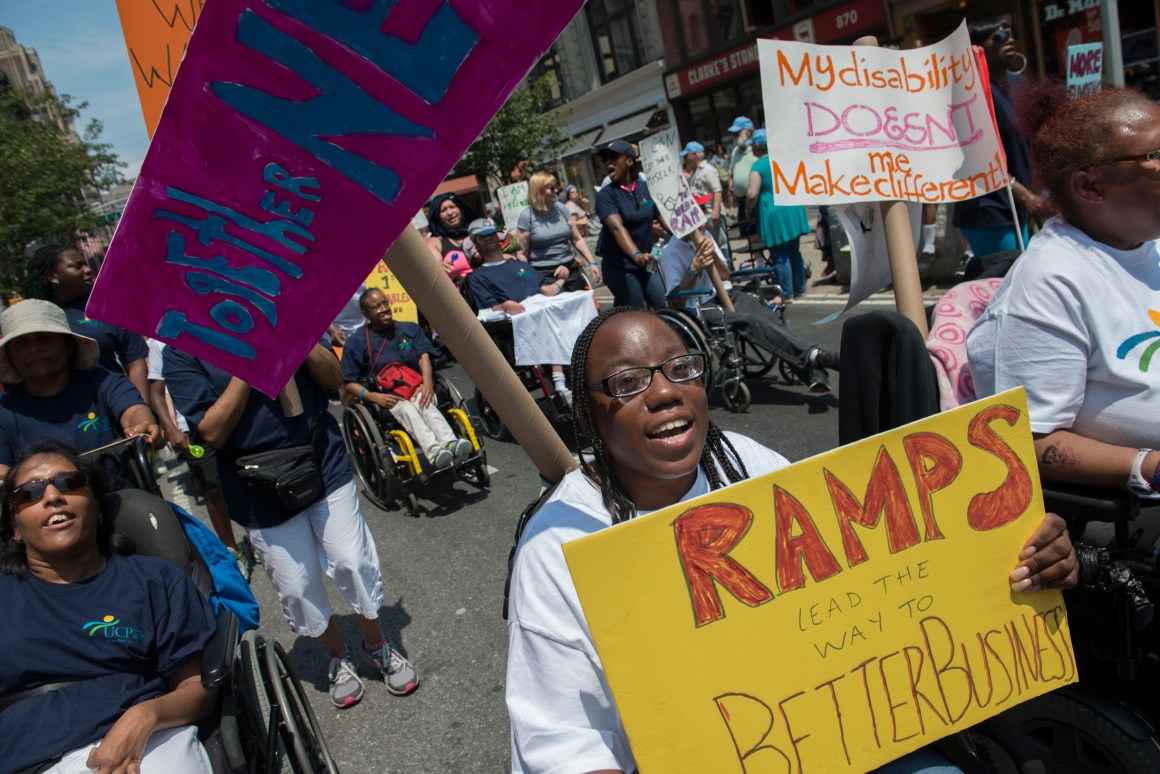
(493, 426)
(756, 362)
(477, 473)
(266, 744)
(369, 456)
(788, 375)
(300, 727)
(1073, 737)
(735, 393)
(411, 503)
(692, 337)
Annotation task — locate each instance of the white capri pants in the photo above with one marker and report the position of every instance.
(329, 538)
(172, 751)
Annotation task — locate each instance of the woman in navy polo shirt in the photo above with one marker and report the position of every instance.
(62, 275)
(56, 390)
(626, 211)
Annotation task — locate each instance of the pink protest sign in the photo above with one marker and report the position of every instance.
(299, 139)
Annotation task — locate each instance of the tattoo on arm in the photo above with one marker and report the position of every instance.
(1059, 457)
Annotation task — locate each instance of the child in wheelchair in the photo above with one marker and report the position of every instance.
(389, 366)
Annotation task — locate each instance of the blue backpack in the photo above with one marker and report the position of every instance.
(230, 588)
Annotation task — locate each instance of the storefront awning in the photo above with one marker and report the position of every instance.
(457, 185)
(584, 142)
(627, 127)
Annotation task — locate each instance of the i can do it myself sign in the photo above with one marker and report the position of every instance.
(867, 124)
(299, 138)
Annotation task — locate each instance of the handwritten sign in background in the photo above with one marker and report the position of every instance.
(513, 200)
(833, 615)
(1085, 69)
(872, 124)
(402, 306)
(298, 140)
(670, 190)
(156, 34)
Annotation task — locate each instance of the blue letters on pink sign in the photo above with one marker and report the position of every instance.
(426, 66)
(342, 108)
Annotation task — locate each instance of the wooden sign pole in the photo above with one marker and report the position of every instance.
(426, 282)
(900, 246)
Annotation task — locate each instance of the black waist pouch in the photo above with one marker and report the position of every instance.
(290, 477)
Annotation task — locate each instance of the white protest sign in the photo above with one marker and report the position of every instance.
(869, 258)
(858, 123)
(419, 221)
(513, 200)
(670, 190)
(1085, 69)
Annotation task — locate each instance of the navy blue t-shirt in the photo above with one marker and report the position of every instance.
(117, 344)
(994, 209)
(195, 386)
(402, 342)
(636, 209)
(492, 284)
(85, 415)
(123, 632)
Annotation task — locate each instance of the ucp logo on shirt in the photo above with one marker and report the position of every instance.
(89, 322)
(93, 423)
(404, 344)
(111, 628)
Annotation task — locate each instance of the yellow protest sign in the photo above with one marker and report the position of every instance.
(402, 307)
(833, 615)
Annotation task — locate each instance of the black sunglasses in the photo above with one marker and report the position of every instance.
(32, 491)
(1002, 36)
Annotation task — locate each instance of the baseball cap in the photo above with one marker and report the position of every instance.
(693, 147)
(618, 148)
(482, 227)
(759, 138)
(739, 123)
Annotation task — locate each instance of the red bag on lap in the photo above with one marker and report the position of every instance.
(399, 379)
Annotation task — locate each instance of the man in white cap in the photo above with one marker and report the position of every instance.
(55, 389)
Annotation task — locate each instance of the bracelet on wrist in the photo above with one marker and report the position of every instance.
(1156, 478)
(361, 393)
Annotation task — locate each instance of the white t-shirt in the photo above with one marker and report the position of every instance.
(1071, 323)
(562, 714)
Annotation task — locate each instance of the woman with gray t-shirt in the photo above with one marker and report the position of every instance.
(550, 239)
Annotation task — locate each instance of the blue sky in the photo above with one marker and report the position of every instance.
(83, 54)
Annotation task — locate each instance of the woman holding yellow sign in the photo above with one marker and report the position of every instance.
(641, 408)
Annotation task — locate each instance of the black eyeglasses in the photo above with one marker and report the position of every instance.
(32, 491)
(631, 381)
(1139, 158)
(1002, 36)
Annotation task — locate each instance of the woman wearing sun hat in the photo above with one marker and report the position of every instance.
(54, 388)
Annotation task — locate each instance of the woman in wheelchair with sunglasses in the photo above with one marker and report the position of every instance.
(102, 663)
(642, 412)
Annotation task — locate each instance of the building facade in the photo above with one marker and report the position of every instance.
(20, 67)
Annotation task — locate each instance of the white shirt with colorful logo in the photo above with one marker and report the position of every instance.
(1078, 324)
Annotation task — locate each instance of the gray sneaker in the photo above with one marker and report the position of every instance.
(346, 689)
(462, 449)
(443, 458)
(400, 677)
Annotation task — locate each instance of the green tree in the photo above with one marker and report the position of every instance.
(522, 134)
(46, 173)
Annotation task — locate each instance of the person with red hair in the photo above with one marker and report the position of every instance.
(1076, 322)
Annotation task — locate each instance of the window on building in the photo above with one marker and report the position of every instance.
(614, 36)
(706, 25)
(549, 67)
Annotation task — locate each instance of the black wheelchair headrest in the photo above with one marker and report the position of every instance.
(154, 529)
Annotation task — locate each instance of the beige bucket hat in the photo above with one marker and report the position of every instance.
(36, 316)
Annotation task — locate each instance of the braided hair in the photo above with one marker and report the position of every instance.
(37, 268)
(717, 452)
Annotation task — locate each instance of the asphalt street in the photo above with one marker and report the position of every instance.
(443, 576)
